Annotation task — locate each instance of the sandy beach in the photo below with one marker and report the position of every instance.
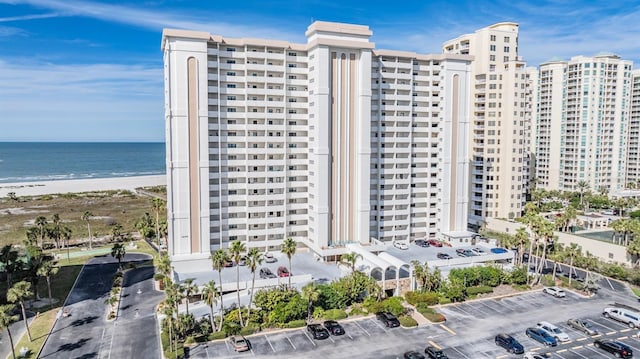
(80, 185)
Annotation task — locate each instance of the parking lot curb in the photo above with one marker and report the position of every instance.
(487, 298)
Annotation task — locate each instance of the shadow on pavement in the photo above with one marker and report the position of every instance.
(83, 321)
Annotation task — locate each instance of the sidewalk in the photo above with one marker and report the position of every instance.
(419, 318)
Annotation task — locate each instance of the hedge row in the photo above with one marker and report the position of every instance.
(407, 322)
(430, 313)
(481, 289)
(430, 298)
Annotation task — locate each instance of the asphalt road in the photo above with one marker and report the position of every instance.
(86, 333)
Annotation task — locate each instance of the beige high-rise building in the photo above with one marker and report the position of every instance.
(582, 123)
(331, 142)
(633, 149)
(500, 122)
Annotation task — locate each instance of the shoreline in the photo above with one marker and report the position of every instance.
(38, 188)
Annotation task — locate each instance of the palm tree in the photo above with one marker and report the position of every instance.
(86, 216)
(145, 226)
(47, 270)
(350, 260)
(36, 259)
(634, 250)
(236, 249)
(118, 251)
(19, 293)
(116, 232)
(164, 229)
(158, 205)
(311, 293)
(420, 273)
(167, 307)
(164, 267)
(41, 222)
(6, 319)
(254, 259)
(188, 288)
(9, 259)
(521, 239)
(218, 260)
(54, 231)
(572, 252)
(210, 296)
(583, 186)
(66, 236)
(289, 247)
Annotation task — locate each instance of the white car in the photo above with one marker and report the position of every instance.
(478, 251)
(532, 355)
(555, 291)
(401, 245)
(554, 331)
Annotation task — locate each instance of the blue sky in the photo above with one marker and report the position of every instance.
(92, 71)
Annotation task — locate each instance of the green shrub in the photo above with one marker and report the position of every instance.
(414, 298)
(481, 289)
(407, 322)
(357, 309)
(335, 314)
(249, 329)
(189, 340)
(217, 335)
(547, 280)
(431, 315)
(298, 323)
(520, 287)
(444, 300)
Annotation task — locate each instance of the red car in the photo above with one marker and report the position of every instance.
(283, 272)
(434, 243)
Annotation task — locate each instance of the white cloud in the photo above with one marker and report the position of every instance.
(28, 17)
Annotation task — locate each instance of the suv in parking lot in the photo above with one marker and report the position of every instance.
(541, 336)
(509, 343)
(266, 273)
(555, 291)
(619, 349)
(443, 256)
(435, 353)
(389, 320)
(283, 272)
(632, 319)
(554, 331)
(421, 243)
(317, 331)
(465, 252)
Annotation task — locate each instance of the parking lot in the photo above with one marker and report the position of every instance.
(468, 332)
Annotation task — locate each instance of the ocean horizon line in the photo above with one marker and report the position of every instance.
(83, 141)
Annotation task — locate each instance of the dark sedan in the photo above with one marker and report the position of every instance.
(389, 320)
(334, 327)
(317, 331)
(443, 256)
(619, 349)
(413, 355)
(421, 243)
(541, 336)
(435, 353)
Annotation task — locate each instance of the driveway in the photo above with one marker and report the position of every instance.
(85, 333)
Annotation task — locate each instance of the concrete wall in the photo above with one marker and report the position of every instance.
(605, 251)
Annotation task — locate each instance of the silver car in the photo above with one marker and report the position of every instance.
(582, 325)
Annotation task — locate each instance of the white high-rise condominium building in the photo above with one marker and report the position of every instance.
(582, 119)
(328, 142)
(500, 122)
(633, 150)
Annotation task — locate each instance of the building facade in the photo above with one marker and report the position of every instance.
(633, 149)
(500, 122)
(329, 142)
(582, 123)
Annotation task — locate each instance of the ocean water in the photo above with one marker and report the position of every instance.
(48, 161)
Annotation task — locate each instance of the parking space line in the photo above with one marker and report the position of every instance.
(579, 354)
(268, 341)
(602, 325)
(290, 342)
(349, 335)
(360, 326)
(625, 330)
(226, 344)
(617, 322)
(378, 324)
(433, 344)
(561, 357)
(633, 347)
(206, 350)
(459, 352)
(447, 329)
(311, 340)
(595, 351)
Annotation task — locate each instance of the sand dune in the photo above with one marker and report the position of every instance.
(80, 185)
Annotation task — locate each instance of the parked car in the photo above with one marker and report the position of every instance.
(317, 331)
(532, 355)
(334, 327)
(554, 331)
(228, 263)
(435, 353)
(239, 343)
(465, 252)
(573, 275)
(443, 256)
(243, 261)
(266, 273)
(619, 349)
(555, 291)
(269, 258)
(632, 319)
(389, 320)
(421, 243)
(582, 325)
(283, 272)
(434, 243)
(541, 336)
(478, 251)
(401, 245)
(413, 355)
(498, 250)
(509, 343)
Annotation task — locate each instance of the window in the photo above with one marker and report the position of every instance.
(492, 57)
(493, 37)
(231, 109)
(231, 61)
(292, 54)
(231, 49)
(506, 49)
(231, 73)
(506, 39)
(292, 77)
(293, 65)
(492, 47)
(231, 98)
(231, 86)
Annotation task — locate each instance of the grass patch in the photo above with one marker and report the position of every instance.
(40, 328)
(407, 322)
(430, 313)
(636, 291)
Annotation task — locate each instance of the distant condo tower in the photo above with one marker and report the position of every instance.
(329, 143)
